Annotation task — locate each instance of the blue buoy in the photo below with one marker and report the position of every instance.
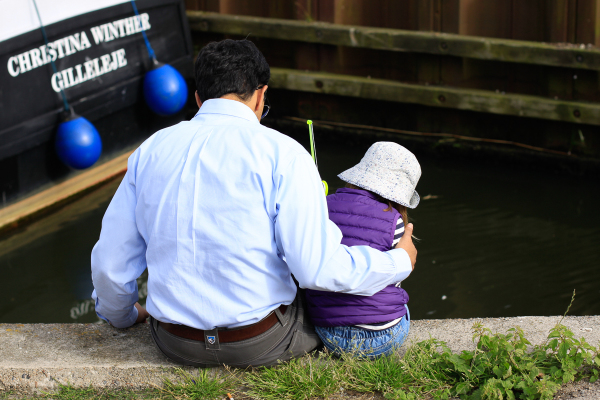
(165, 90)
(78, 143)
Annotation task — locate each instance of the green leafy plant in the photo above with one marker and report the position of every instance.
(503, 366)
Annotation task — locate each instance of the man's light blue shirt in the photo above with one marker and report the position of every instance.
(222, 211)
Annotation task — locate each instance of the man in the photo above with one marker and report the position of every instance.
(222, 211)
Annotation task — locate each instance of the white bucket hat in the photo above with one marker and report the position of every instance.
(389, 170)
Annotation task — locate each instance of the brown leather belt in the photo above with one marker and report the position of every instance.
(226, 335)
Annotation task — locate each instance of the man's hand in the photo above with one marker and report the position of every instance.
(142, 313)
(407, 244)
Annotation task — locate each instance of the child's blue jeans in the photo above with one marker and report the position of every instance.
(364, 343)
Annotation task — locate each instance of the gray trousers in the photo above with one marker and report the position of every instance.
(293, 336)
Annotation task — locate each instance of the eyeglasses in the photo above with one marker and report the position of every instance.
(266, 108)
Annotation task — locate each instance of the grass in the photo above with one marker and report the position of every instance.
(313, 376)
(416, 373)
(203, 386)
(71, 393)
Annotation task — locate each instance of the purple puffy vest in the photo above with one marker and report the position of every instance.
(361, 218)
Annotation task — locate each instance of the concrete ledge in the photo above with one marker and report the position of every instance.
(36, 357)
(42, 356)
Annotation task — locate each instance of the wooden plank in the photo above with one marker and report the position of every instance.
(587, 21)
(436, 96)
(491, 18)
(450, 14)
(242, 7)
(556, 27)
(314, 10)
(192, 5)
(424, 18)
(399, 40)
(381, 13)
(572, 21)
(50, 199)
(527, 20)
(202, 5)
(258, 8)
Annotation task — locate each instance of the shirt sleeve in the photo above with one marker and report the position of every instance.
(118, 258)
(399, 232)
(311, 243)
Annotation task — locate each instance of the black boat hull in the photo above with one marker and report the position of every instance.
(102, 79)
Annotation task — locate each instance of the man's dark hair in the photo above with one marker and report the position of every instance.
(230, 66)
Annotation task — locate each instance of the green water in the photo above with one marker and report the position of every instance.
(495, 242)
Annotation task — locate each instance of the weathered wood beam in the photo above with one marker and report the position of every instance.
(33, 207)
(517, 51)
(436, 96)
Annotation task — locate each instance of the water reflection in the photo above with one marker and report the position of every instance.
(87, 307)
(494, 242)
(46, 266)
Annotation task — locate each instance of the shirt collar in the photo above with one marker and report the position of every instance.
(227, 107)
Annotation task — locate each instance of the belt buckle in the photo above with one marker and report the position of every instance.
(211, 338)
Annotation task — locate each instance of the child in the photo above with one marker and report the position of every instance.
(370, 210)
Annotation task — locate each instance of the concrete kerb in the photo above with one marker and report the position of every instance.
(39, 357)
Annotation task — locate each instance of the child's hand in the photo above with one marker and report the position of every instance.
(407, 244)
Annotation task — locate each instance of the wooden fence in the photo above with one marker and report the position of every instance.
(568, 21)
(463, 55)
